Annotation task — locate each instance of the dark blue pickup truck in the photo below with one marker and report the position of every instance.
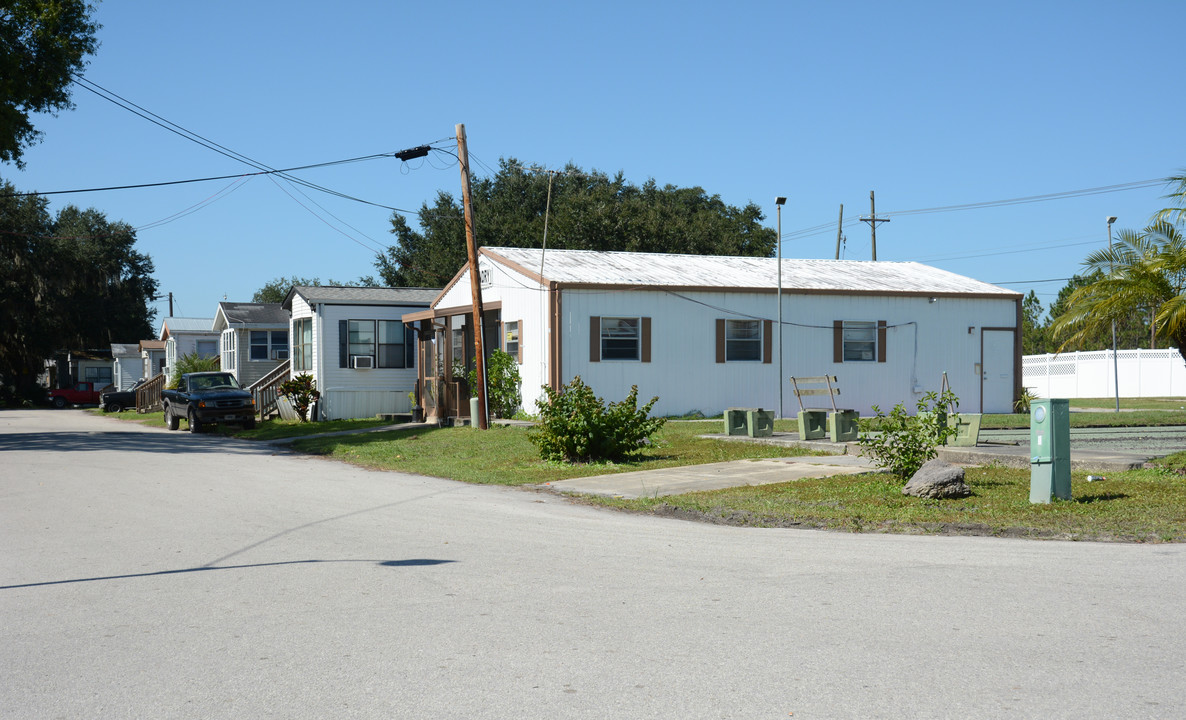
(208, 398)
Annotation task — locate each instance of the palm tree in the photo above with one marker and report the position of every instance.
(1144, 271)
(1176, 214)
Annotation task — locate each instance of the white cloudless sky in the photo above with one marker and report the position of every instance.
(930, 104)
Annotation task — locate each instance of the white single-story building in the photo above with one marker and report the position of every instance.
(152, 354)
(127, 365)
(353, 342)
(184, 335)
(701, 332)
(253, 338)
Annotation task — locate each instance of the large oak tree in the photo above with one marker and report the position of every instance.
(588, 211)
(43, 44)
(71, 281)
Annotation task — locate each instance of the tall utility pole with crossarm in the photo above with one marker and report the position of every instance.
(475, 278)
(872, 219)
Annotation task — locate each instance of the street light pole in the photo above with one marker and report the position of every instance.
(779, 202)
(1115, 362)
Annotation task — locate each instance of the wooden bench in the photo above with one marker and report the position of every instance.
(840, 425)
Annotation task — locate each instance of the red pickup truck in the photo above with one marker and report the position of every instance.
(83, 393)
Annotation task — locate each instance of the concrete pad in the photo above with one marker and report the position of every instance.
(714, 476)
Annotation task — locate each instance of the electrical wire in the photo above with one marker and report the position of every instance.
(224, 192)
(166, 124)
(1084, 192)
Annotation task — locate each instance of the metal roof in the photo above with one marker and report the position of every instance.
(125, 350)
(269, 314)
(186, 324)
(332, 295)
(588, 267)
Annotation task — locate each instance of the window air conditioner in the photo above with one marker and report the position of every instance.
(362, 362)
(280, 354)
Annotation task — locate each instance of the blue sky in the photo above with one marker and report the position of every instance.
(930, 104)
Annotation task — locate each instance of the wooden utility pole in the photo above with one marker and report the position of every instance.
(839, 230)
(475, 278)
(873, 220)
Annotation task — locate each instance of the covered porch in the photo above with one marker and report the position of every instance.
(445, 357)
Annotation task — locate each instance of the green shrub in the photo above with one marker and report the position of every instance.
(502, 384)
(1023, 402)
(301, 391)
(575, 426)
(904, 442)
(191, 363)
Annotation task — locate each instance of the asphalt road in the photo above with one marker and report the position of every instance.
(147, 574)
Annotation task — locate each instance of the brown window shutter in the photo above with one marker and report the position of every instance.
(720, 340)
(646, 340)
(767, 341)
(519, 359)
(881, 341)
(595, 339)
(837, 341)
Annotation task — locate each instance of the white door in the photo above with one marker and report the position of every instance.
(996, 380)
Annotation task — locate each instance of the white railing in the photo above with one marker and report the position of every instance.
(1143, 373)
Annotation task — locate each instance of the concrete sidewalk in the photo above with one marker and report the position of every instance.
(1098, 449)
(714, 476)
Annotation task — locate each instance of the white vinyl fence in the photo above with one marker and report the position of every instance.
(1143, 373)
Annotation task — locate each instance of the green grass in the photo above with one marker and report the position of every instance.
(1134, 506)
(503, 455)
(1162, 403)
(267, 430)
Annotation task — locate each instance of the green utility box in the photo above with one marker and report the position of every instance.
(842, 426)
(813, 424)
(737, 421)
(1050, 450)
(759, 423)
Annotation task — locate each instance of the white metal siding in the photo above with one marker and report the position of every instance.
(349, 393)
(684, 373)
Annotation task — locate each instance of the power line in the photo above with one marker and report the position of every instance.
(1084, 192)
(166, 124)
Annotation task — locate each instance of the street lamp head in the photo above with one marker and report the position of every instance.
(780, 201)
(1111, 219)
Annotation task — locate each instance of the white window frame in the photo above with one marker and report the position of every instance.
(229, 345)
(355, 349)
(198, 343)
(271, 345)
(732, 343)
(302, 353)
(855, 335)
(621, 337)
(511, 347)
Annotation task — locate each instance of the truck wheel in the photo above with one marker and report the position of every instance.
(115, 407)
(194, 425)
(171, 421)
(249, 425)
(59, 402)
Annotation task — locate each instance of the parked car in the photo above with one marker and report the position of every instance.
(208, 398)
(119, 400)
(83, 393)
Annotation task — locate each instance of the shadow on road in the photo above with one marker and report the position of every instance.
(411, 562)
(124, 440)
